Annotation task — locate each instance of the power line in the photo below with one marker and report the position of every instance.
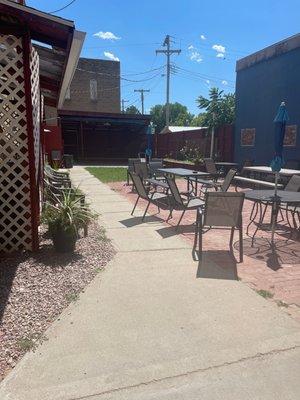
(168, 52)
(60, 9)
(119, 76)
(142, 91)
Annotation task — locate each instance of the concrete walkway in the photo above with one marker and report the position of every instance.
(149, 328)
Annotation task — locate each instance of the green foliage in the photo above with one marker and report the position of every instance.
(26, 344)
(179, 116)
(132, 110)
(219, 107)
(108, 174)
(72, 297)
(199, 120)
(67, 213)
(265, 293)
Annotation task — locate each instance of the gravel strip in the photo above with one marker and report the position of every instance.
(36, 287)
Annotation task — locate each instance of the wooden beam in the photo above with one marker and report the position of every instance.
(49, 83)
(48, 101)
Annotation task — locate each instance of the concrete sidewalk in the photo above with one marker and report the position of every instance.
(150, 328)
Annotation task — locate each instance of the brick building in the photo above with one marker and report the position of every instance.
(95, 87)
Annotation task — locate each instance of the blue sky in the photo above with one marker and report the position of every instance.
(211, 34)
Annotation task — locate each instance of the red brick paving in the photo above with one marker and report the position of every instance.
(278, 272)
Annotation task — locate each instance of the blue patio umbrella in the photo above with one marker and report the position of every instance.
(149, 142)
(277, 163)
(280, 121)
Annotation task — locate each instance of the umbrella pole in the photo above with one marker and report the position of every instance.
(274, 208)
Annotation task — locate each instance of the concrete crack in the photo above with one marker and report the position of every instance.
(188, 373)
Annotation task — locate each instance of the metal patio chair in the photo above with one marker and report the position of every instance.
(130, 167)
(293, 185)
(154, 165)
(218, 186)
(144, 193)
(212, 169)
(181, 200)
(221, 210)
(141, 169)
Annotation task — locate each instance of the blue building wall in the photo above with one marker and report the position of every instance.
(260, 89)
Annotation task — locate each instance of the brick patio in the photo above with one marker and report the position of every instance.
(278, 273)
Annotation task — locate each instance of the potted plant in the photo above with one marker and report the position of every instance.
(65, 216)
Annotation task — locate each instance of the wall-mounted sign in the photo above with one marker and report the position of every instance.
(290, 137)
(248, 137)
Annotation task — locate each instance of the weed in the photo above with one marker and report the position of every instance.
(26, 343)
(265, 293)
(281, 303)
(102, 235)
(70, 297)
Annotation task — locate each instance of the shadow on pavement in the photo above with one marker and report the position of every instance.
(217, 264)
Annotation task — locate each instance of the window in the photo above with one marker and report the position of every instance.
(248, 137)
(93, 89)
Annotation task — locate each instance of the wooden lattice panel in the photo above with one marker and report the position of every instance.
(15, 209)
(35, 97)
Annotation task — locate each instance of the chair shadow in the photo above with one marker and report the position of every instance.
(135, 221)
(217, 264)
(170, 230)
(282, 252)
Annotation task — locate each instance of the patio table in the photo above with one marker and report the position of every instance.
(268, 196)
(268, 170)
(187, 174)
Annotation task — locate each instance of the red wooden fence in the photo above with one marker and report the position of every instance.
(170, 144)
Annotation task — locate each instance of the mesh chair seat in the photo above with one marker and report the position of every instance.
(221, 210)
(194, 203)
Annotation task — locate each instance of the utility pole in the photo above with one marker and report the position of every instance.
(168, 52)
(123, 105)
(142, 91)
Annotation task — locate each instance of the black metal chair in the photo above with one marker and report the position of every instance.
(221, 210)
(181, 201)
(154, 197)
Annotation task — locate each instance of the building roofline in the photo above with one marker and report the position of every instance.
(26, 9)
(93, 114)
(276, 49)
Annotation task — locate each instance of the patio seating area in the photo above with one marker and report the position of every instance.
(272, 268)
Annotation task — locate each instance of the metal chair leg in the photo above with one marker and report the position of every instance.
(241, 244)
(231, 237)
(180, 219)
(143, 217)
(135, 205)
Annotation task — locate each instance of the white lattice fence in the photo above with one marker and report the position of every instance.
(35, 96)
(15, 208)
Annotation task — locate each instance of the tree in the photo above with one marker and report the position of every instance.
(199, 120)
(219, 107)
(132, 110)
(179, 115)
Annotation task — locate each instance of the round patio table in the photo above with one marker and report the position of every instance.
(269, 197)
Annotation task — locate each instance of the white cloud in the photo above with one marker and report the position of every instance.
(202, 37)
(111, 56)
(220, 55)
(224, 82)
(106, 36)
(207, 82)
(219, 48)
(196, 56)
